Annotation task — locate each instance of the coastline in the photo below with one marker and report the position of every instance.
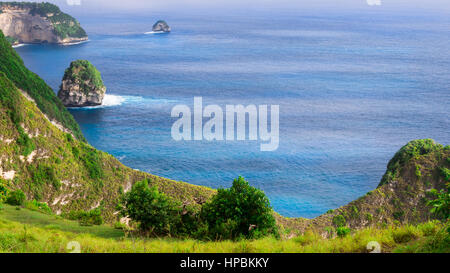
(155, 32)
(61, 44)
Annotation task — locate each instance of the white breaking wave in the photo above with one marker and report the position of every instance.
(154, 32)
(75, 43)
(112, 100)
(19, 45)
(117, 100)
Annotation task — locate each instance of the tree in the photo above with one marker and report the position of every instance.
(241, 211)
(156, 213)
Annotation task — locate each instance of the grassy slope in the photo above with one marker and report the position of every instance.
(400, 198)
(66, 173)
(28, 231)
(13, 67)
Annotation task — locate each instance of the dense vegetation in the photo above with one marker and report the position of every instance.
(154, 212)
(14, 69)
(239, 212)
(84, 72)
(64, 25)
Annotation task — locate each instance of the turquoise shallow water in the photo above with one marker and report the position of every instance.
(352, 90)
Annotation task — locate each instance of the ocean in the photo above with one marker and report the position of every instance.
(352, 90)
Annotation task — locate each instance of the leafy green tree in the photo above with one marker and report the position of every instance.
(16, 198)
(156, 213)
(241, 211)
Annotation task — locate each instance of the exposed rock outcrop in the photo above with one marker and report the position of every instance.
(82, 85)
(161, 26)
(39, 23)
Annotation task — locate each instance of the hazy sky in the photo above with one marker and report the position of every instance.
(267, 5)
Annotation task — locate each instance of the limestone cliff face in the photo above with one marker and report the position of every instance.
(82, 85)
(28, 26)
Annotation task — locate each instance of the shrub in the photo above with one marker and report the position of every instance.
(429, 228)
(441, 203)
(343, 231)
(241, 211)
(398, 214)
(354, 212)
(86, 218)
(418, 172)
(155, 213)
(369, 217)
(120, 225)
(3, 191)
(445, 173)
(38, 206)
(404, 235)
(339, 220)
(16, 198)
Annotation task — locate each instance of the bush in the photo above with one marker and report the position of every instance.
(86, 218)
(404, 235)
(343, 231)
(155, 213)
(441, 203)
(241, 211)
(3, 191)
(38, 206)
(16, 198)
(339, 220)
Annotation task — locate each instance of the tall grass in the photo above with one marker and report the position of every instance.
(32, 232)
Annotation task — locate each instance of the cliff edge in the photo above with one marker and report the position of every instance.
(39, 23)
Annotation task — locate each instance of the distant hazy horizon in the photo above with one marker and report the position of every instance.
(224, 6)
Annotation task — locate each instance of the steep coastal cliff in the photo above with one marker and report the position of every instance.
(39, 23)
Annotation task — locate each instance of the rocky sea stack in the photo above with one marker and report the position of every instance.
(33, 23)
(82, 85)
(161, 26)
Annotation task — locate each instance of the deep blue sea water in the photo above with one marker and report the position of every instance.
(352, 90)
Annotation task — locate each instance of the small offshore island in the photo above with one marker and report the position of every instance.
(35, 23)
(161, 26)
(82, 85)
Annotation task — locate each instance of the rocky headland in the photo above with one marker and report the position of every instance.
(26, 22)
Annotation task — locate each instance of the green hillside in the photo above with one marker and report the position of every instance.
(46, 100)
(51, 166)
